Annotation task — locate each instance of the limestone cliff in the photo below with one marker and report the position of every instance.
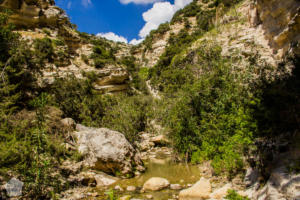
(280, 21)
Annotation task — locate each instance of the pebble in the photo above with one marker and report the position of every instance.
(119, 188)
(131, 188)
(149, 196)
(175, 187)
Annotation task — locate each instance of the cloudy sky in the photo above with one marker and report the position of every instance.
(120, 20)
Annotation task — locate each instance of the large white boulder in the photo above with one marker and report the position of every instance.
(107, 150)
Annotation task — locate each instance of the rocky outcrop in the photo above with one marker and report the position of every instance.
(34, 13)
(112, 80)
(281, 22)
(107, 150)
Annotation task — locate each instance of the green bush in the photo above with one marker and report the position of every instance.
(127, 115)
(103, 53)
(43, 48)
(233, 195)
(77, 99)
(137, 82)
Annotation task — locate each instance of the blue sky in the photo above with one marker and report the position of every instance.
(120, 20)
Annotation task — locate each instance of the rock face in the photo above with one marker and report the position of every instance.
(281, 22)
(112, 80)
(155, 184)
(107, 150)
(28, 13)
(281, 185)
(201, 190)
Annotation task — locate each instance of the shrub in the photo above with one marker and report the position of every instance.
(137, 82)
(233, 195)
(127, 115)
(43, 50)
(102, 53)
(77, 100)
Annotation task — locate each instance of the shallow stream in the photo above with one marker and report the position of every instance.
(160, 166)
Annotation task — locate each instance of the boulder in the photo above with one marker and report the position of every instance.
(107, 150)
(200, 190)
(156, 183)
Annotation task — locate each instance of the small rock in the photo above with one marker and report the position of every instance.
(94, 194)
(149, 196)
(68, 123)
(189, 185)
(175, 187)
(156, 183)
(119, 188)
(131, 188)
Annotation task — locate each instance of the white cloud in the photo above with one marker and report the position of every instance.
(161, 12)
(135, 41)
(86, 3)
(112, 36)
(138, 1)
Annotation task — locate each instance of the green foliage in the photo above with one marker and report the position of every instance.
(58, 42)
(211, 116)
(27, 149)
(127, 115)
(17, 69)
(43, 50)
(111, 195)
(77, 99)
(233, 195)
(102, 53)
(46, 31)
(138, 81)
